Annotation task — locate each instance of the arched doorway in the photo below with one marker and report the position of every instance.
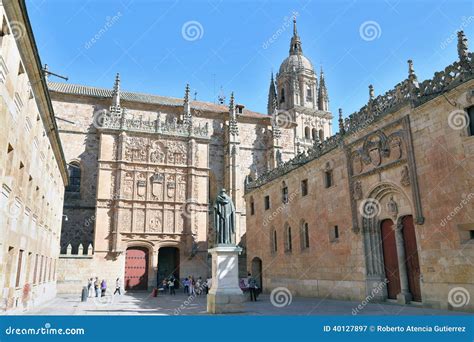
(168, 263)
(136, 268)
(411, 255)
(257, 271)
(390, 259)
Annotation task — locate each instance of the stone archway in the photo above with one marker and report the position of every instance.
(384, 246)
(136, 268)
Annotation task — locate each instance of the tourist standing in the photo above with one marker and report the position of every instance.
(192, 292)
(118, 285)
(90, 287)
(96, 287)
(186, 285)
(199, 286)
(252, 287)
(171, 285)
(103, 287)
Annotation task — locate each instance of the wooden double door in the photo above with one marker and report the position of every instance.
(390, 256)
(136, 268)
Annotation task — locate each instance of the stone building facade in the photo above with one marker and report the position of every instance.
(145, 169)
(381, 210)
(32, 169)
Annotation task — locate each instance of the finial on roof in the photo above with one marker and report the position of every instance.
(463, 48)
(371, 92)
(323, 98)
(233, 128)
(187, 117)
(116, 92)
(411, 70)
(341, 122)
(295, 44)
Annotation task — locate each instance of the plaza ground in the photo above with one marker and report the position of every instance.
(142, 303)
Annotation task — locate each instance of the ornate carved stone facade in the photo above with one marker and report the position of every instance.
(376, 200)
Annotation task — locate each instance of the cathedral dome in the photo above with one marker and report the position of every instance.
(296, 62)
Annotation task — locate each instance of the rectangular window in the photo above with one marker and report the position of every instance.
(275, 242)
(18, 269)
(306, 236)
(35, 273)
(304, 187)
(328, 178)
(470, 113)
(334, 234)
(284, 195)
(471, 234)
(252, 208)
(267, 202)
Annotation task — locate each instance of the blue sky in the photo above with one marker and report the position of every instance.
(230, 48)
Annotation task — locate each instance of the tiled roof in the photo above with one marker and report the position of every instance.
(77, 89)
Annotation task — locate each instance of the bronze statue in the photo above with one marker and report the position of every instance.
(224, 219)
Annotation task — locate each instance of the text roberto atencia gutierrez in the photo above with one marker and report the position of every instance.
(415, 328)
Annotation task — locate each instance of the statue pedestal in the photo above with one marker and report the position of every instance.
(225, 295)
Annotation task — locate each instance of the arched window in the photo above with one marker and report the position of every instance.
(304, 235)
(284, 192)
(282, 95)
(74, 172)
(314, 133)
(288, 240)
(306, 132)
(274, 241)
(321, 135)
(252, 206)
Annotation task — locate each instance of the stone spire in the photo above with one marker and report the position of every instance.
(463, 49)
(272, 96)
(342, 130)
(187, 117)
(233, 127)
(371, 92)
(412, 79)
(116, 92)
(295, 45)
(323, 99)
(275, 126)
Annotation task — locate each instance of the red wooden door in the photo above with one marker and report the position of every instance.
(390, 259)
(412, 262)
(136, 269)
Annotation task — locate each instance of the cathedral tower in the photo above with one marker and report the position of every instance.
(300, 97)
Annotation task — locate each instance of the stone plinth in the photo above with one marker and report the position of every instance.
(225, 295)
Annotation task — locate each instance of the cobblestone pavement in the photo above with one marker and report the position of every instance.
(142, 303)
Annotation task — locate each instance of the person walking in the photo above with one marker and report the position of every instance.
(96, 286)
(199, 286)
(186, 285)
(171, 285)
(252, 287)
(103, 287)
(118, 285)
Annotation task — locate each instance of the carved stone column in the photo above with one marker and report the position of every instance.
(404, 296)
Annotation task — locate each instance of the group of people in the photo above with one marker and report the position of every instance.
(194, 287)
(98, 289)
